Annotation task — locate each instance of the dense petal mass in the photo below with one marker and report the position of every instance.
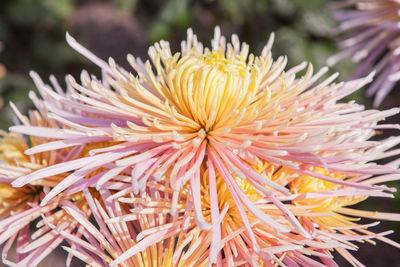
(234, 148)
(370, 36)
(151, 237)
(148, 235)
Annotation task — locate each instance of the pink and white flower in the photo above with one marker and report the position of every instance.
(219, 109)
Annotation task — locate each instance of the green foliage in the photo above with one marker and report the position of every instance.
(25, 12)
(175, 13)
(126, 5)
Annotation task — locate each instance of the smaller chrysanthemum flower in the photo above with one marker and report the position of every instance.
(20, 208)
(371, 37)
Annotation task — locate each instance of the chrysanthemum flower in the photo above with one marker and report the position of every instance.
(371, 37)
(20, 209)
(219, 105)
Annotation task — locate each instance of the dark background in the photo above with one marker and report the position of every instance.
(32, 37)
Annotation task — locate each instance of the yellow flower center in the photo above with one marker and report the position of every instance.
(210, 88)
(230, 65)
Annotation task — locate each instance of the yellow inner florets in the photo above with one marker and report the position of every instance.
(199, 93)
(230, 65)
(213, 89)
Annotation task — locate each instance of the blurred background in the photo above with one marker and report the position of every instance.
(32, 37)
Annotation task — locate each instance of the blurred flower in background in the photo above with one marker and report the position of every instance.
(370, 35)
